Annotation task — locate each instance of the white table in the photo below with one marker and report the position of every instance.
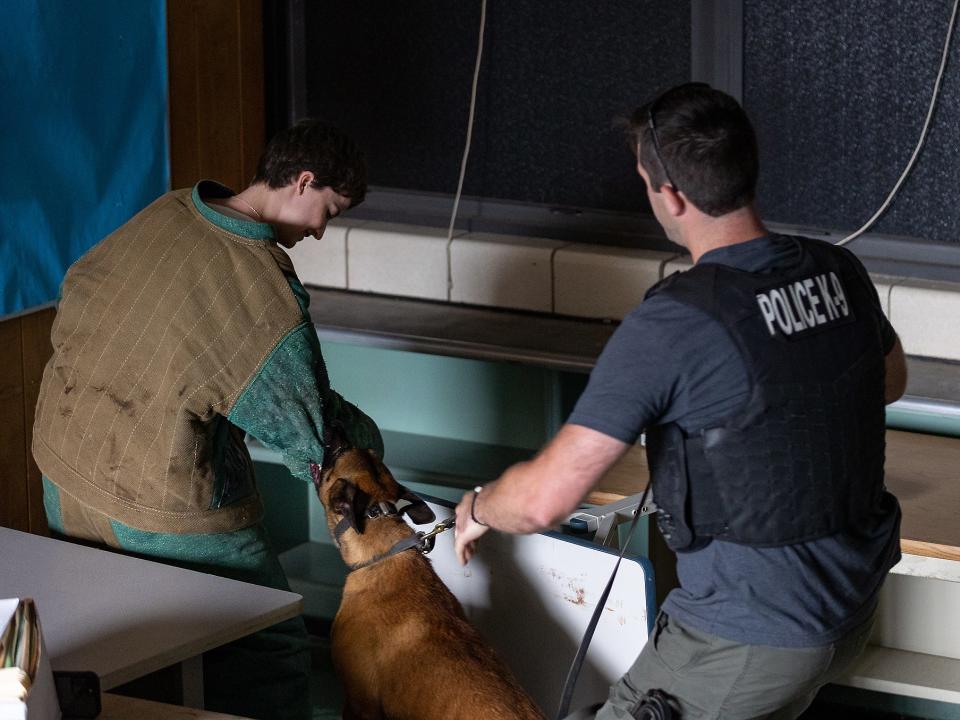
(123, 617)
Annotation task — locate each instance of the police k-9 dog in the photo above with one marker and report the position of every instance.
(402, 646)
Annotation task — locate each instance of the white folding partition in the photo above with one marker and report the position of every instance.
(532, 596)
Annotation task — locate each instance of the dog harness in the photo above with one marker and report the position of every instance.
(804, 458)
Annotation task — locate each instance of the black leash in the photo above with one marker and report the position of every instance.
(575, 667)
(423, 541)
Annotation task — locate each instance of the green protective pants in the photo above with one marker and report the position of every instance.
(264, 675)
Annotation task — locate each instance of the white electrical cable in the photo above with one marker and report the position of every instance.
(466, 149)
(923, 134)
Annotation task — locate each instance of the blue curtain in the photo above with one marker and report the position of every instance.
(83, 137)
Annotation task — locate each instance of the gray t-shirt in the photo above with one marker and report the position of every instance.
(668, 362)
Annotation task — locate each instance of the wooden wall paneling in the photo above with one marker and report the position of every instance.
(252, 92)
(219, 106)
(13, 470)
(35, 339)
(216, 90)
(182, 61)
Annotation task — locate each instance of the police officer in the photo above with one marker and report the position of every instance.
(760, 377)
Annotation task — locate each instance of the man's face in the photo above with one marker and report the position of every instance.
(307, 213)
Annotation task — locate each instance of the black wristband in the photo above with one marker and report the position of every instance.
(473, 506)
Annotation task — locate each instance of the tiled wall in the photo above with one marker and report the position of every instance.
(565, 278)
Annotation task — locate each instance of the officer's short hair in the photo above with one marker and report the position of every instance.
(706, 145)
(330, 154)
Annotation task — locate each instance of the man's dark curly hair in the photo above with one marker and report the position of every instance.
(332, 157)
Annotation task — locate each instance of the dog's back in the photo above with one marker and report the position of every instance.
(404, 650)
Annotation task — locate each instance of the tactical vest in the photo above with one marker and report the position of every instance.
(804, 458)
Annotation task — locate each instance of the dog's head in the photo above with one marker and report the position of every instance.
(351, 481)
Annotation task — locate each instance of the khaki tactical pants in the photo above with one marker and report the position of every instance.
(713, 678)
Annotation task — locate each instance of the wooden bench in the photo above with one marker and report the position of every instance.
(24, 351)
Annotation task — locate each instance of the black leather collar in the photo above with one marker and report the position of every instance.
(423, 541)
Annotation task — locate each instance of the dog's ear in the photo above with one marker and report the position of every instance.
(418, 510)
(349, 502)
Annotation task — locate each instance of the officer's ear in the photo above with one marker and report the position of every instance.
(674, 201)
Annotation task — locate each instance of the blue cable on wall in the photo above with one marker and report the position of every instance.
(84, 142)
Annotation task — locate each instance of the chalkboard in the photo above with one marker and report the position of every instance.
(838, 92)
(555, 76)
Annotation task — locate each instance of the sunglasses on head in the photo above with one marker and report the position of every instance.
(652, 124)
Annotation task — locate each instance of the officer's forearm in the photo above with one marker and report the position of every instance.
(511, 503)
(538, 494)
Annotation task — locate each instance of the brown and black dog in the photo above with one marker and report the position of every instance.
(402, 646)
